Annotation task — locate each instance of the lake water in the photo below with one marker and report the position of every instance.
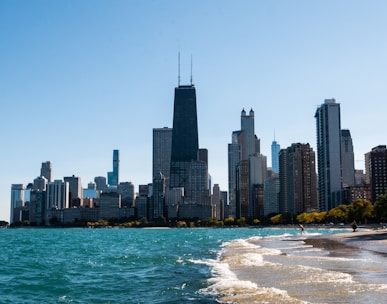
(241, 265)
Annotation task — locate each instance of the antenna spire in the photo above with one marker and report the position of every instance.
(178, 70)
(191, 69)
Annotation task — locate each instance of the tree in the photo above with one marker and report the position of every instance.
(380, 208)
(276, 218)
(319, 216)
(256, 222)
(303, 218)
(360, 210)
(181, 224)
(241, 221)
(229, 221)
(340, 213)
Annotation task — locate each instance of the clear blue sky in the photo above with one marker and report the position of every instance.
(81, 78)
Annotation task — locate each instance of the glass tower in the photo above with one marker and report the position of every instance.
(328, 129)
(113, 176)
(275, 149)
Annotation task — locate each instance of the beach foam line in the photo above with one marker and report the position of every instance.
(225, 285)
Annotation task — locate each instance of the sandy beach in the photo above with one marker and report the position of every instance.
(366, 239)
(319, 266)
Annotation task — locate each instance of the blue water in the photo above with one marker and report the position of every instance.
(114, 265)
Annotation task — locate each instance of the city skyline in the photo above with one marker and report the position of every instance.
(71, 92)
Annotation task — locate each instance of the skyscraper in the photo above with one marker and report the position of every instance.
(157, 202)
(162, 146)
(75, 190)
(298, 179)
(189, 165)
(377, 167)
(40, 183)
(247, 125)
(185, 142)
(247, 169)
(234, 157)
(347, 159)
(217, 203)
(275, 148)
(113, 176)
(57, 195)
(257, 173)
(17, 202)
(126, 189)
(271, 194)
(100, 182)
(328, 127)
(46, 171)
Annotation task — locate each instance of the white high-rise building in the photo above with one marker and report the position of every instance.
(57, 195)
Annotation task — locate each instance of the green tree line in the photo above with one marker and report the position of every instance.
(360, 210)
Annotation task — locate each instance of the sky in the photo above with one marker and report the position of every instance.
(79, 79)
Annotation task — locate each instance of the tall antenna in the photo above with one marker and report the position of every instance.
(191, 69)
(178, 70)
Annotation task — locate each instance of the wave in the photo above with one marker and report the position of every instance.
(283, 269)
(228, 288)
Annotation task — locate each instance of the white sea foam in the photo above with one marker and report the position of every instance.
(293, 245)
(226, 285)
(246, 246)
(255, 238)
(307, 274)
(251, 259)
(240, 260)
(180, 260)
(229, 289)
(308, 249)
(284, 236)
(223, 280)
(377, 287)
(241, 243)
(337, 259)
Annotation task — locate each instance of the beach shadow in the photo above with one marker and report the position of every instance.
(334, 248)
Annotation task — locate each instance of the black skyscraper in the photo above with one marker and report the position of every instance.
(185, 143)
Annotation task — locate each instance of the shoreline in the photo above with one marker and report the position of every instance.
(372, 240)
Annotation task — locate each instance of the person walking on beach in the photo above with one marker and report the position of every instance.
(354, 226)
(301, 228)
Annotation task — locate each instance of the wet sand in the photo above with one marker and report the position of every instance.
(374, 240)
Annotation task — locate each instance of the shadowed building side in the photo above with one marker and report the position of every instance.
(185, 143)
